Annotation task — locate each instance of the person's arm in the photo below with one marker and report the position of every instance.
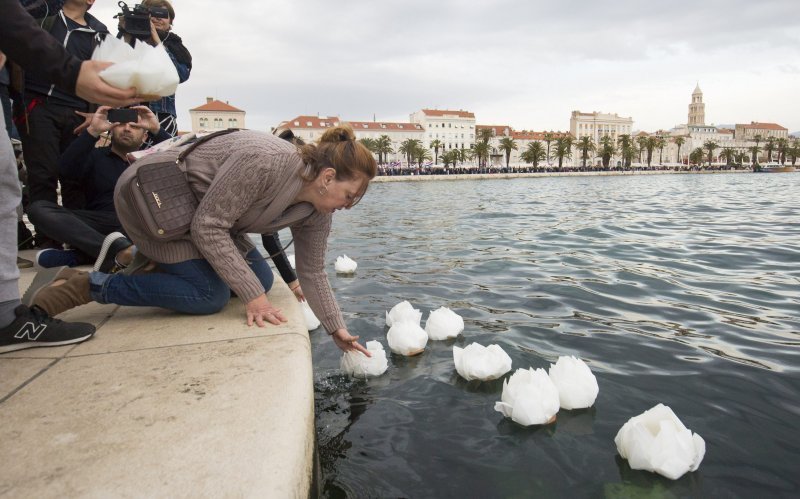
(28, 45)
(76, 162)
(272, 243)
(183, 70)
(311, 241)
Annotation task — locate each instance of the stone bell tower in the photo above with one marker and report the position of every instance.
(697, 110)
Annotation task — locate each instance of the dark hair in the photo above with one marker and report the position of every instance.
(338, 149)
(289, 136)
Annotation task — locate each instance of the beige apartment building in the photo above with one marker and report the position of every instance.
(597, 125)
(216, 115)
(749, 132)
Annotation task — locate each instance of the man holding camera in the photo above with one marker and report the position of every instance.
(151, 21)
(98, 168)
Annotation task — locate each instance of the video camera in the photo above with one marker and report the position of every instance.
(137, 21)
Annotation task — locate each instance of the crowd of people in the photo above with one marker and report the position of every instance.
(244, 182)
(389, 170)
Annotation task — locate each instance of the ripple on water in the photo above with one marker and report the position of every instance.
(669, 287)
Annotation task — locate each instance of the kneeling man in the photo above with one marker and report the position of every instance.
(94, 233)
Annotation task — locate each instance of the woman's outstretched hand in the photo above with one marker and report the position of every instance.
(259, 309)
(346, 342)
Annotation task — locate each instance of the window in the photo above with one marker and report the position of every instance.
(308, 123)
(296, 123)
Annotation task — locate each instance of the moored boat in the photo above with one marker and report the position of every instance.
(775, 168)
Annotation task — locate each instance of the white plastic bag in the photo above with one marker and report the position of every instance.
(147, 68)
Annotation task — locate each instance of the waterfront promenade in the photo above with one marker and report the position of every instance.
(565, 173)
(159, 404)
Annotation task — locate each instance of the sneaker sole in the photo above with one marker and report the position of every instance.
(42, 279)
(107, 242)
(38, 344)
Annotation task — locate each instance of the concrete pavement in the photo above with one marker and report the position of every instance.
(159, 404)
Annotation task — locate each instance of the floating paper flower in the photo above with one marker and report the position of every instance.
(403, 311)
(345, 265)
(358, 365)
(443, 323)
(529, 398)
(577, 386)
(407, 338)
(479, 362)
(657, 441)
(312, 322)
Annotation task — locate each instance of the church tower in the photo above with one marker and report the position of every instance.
(697, 110)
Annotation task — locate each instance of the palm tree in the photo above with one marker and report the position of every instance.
(626, 149)
(463, 155)
(794, 150)
(420, 154)
(508, 144)
(709, 146)
(534, 153)
(435, 145)
(661, 142)
(754, 150)
(370, 144)
(641, 142)
(782, 145)
(607, 149)
(679, 141)
(548, 137)
(696, 156)
(481, 151)
(563, 149)
(769, 147)
(485, 135)
(383, 145)
(729, 155)
(450, 157)
(408, 148)
(757, 138)
(585, 146)
(650, 143)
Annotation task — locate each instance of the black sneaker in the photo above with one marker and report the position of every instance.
(106, 261)
(34, 328)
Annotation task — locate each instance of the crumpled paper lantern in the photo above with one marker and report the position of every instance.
(345, 265)
(407, 338)
(147, 68)
(358, 365)
(403, 312)
(657, 441)
(577, 386)
(312, 322)
(480, 362)
(443, 323)
(529, 398)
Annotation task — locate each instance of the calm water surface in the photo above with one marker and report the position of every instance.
(679, 289)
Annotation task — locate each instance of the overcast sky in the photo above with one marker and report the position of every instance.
(524, 63)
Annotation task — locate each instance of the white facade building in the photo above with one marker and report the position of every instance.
(597, 125)
(454, 129)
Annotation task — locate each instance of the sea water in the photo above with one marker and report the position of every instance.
(678, 289)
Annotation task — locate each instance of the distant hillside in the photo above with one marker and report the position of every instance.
(795, 134)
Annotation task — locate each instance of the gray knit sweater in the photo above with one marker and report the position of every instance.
(246, 182)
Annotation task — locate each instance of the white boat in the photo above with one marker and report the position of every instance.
(774, 167)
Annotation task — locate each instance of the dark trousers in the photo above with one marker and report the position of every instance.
(48, 132)
(83, 230)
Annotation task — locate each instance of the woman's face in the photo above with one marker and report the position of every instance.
(332, 194)
(161, 23)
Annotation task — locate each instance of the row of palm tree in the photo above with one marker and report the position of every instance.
(626, 147)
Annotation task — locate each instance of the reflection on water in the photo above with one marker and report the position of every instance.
(681, 289)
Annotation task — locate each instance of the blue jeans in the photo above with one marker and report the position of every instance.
(190, 287)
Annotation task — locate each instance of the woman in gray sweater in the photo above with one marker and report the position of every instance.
(247, 182)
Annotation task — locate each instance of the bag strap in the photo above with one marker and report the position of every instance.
(202, 139)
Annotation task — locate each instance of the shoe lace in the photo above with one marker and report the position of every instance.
(41, 316)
